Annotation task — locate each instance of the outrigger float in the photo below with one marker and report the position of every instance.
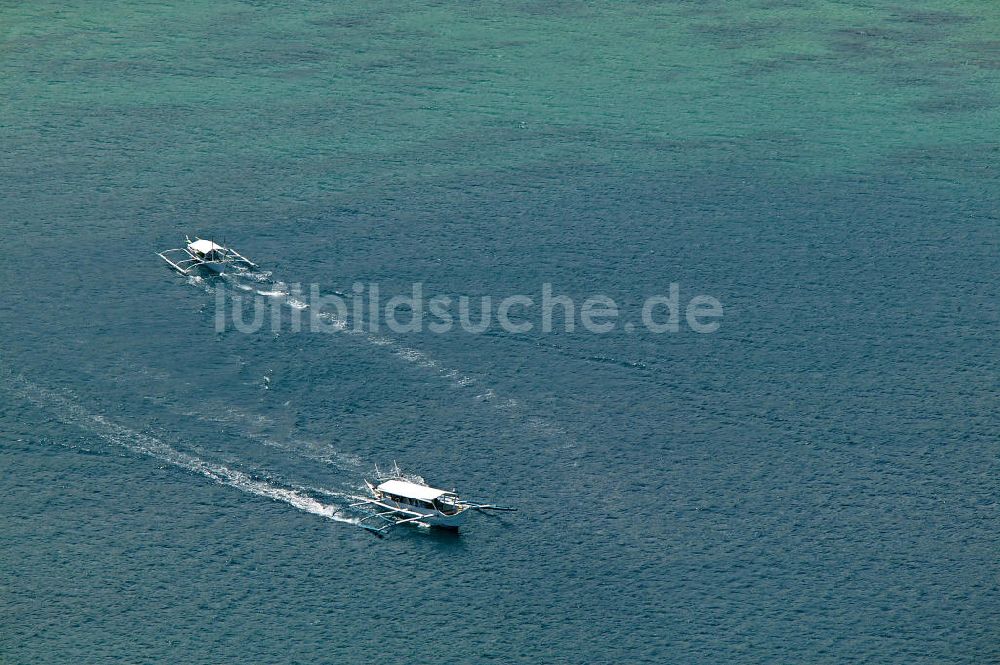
(404, 499)
(207, 254)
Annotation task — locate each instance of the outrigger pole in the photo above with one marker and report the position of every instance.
(489, 506)
(380, 531)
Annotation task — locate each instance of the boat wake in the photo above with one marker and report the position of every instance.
(215, 410)
(253, 428)
(69, 412)
(277, 292)
(249, 279)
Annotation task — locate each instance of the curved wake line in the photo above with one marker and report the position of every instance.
(278, 292)
(313, 450)
(71, 413)
(255, 427)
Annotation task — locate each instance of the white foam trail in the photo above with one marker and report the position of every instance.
(74, 414)
(262, 276)
(331, 493)
(198, 281)
(339, 324)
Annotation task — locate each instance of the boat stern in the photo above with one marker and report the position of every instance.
(452, 521)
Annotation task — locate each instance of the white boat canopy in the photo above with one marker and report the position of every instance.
(204, 246)
(411, 490)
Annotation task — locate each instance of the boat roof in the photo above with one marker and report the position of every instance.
(411, 490)
(204, 246)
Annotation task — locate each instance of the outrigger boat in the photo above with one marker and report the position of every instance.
(207, 254)
(403, 499)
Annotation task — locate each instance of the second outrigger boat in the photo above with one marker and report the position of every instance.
(207, 254)
(405, 499)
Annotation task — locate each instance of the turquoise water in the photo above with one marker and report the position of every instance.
(815, 482)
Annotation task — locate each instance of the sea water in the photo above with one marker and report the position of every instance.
(816, 481)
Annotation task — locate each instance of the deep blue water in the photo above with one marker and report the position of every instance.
(815, 482)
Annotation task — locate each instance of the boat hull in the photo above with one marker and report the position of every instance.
(433, 518)
(447, 521)
(214, 267)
